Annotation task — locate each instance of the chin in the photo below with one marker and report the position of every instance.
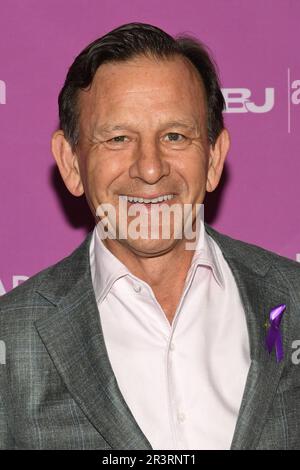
(151, 248)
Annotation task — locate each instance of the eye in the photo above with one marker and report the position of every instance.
(118, 139)
(175, 137)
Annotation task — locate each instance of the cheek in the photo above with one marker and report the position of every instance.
(193, 170)
(101, 174)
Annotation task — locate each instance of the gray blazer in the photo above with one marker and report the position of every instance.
(57, 386)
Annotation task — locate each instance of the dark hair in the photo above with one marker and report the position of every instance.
(126, 42)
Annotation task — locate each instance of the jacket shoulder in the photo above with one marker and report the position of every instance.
(257, 258)
(63, 272)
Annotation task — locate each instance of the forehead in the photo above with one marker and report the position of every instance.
(143, 82)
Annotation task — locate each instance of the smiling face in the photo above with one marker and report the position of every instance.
(143, 134)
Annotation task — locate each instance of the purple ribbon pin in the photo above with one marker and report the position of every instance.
(273, 335)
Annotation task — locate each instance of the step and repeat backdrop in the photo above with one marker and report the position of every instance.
(256, 46)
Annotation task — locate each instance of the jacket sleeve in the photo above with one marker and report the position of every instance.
(6, 439)
(6, 436)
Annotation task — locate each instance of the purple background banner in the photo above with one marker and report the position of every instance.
(255, 44)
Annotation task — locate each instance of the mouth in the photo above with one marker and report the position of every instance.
(146, 200)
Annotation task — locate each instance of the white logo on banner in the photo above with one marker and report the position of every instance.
(296, 94)
(238, 101)
(16, 280)
(293, 95)
(2, 92)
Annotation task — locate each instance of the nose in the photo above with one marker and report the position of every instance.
(149, 163)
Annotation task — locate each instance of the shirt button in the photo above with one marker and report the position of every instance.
(181, 417)
(137, 288)
(172, 347)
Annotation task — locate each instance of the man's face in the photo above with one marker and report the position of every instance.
(143, 133)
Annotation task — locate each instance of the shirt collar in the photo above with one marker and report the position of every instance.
(206, 255)
(107, 268)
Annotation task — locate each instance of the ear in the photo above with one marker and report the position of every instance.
(217, 157)
(67, 163)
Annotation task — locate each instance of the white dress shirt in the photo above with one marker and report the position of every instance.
(182, 382)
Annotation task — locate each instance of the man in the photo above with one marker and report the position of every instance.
(139, 342)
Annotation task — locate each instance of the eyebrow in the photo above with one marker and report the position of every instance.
(107, 127)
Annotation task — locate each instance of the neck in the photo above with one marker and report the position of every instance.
(158, 270)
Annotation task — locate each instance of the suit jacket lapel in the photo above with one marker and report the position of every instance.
(259, 294)
(74, 339)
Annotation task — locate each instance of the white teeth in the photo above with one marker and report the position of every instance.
(147, 201)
